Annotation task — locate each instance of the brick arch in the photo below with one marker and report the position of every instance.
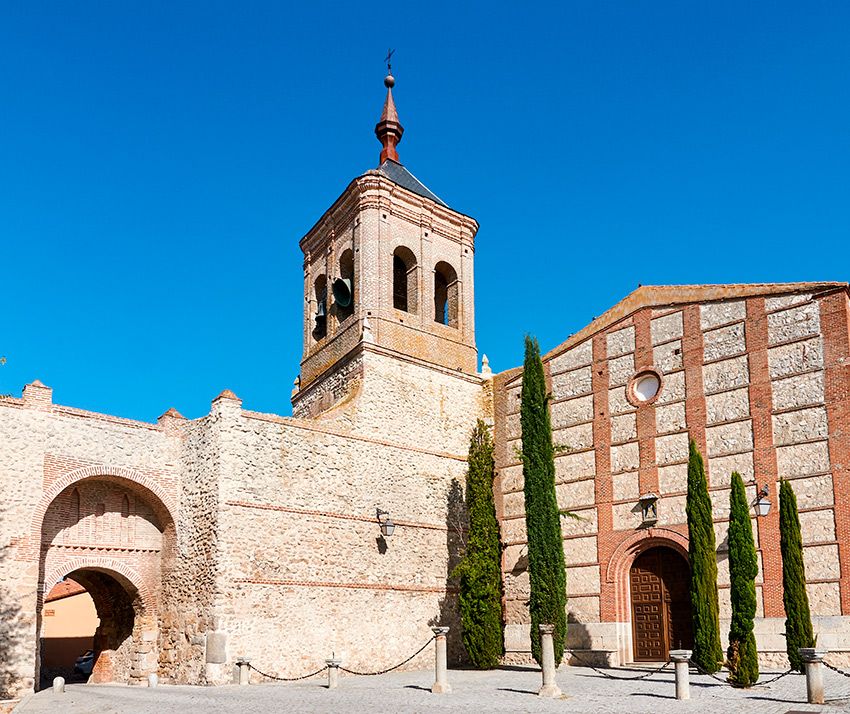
(149, 484)
(111, 566)
(630, 548)
(617, 575)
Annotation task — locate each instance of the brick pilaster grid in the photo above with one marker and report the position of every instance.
(764, 453)
(835, 327)
(645, 418)
(692, 357)
(604, 487)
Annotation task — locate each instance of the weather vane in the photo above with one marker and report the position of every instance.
(388, 60)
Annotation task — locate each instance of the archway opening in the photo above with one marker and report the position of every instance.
(660, 604)
(69, 622)
(99, 613)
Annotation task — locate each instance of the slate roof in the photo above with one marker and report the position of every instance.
(396, 173)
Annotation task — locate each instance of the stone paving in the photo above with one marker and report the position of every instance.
(504, 690)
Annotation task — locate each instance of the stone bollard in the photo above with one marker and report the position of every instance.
(547, 653)
(682, 659)
(244, 672)
(153, 680)
(441, 684)
(813, 657)
(58, 685)
(333, 672)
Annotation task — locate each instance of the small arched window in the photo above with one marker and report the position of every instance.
(74, 516)
(446, 296)
(320, 321)
(125, 519)
(405, 291)
(75, 506)
(344, 286)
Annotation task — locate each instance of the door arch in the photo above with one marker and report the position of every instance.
(660, 604)
(116, 539)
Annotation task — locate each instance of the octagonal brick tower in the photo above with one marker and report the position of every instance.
(388, 275)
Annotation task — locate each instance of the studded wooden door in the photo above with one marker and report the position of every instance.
(661, 608)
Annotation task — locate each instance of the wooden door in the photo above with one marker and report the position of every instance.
(661, 607)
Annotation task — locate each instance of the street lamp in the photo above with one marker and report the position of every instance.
(762, 502)
(386, 523)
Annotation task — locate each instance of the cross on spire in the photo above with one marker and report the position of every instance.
(388, 60)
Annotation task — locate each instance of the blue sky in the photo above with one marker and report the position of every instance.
(159, 162)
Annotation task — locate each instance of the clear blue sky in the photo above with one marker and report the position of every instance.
(159, 162)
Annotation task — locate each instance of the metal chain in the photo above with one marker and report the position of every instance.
(709, 674)
(835, 669)
(611, 676)
(776, 678)
(287, 679)
(735, 686)
(389, 669)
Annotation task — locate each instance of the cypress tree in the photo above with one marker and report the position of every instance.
(548, 601)
(707, 651)
(798, 618)
(743, 568)
(480, 570)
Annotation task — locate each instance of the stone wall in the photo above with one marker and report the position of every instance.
(321, 580)
(243, 533)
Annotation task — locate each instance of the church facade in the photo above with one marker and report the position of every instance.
(243, 534)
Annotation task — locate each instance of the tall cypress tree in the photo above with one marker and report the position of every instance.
(548, 600)
(743, 568)
(707, 651)
(798, 618)
(480, 570)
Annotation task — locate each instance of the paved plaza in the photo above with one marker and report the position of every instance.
(503, 690)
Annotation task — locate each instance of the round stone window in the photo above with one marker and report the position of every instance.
(645, 387)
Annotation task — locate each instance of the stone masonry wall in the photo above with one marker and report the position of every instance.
(319, 580)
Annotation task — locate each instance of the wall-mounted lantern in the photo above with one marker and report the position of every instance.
(386, 523)
(648, 508)
(762, 502)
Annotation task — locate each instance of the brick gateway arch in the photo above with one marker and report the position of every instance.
(113, 531)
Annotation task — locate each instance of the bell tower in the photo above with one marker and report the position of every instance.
(388, 270)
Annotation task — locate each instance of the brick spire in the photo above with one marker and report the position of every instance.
(389, 129)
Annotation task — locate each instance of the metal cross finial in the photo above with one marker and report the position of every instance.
(388, 60)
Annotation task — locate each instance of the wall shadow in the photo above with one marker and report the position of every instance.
(14, 635)
(449, 614)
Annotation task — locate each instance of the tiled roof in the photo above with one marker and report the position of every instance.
(63, 589)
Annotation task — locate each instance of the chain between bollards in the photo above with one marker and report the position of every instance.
(282, 679)
(334, 666)
(389, 669)
(587, 664)
(835, 669)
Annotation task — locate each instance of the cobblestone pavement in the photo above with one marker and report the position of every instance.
(505, 690)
